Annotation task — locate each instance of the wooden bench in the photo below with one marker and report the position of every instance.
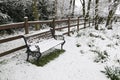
(37, 44)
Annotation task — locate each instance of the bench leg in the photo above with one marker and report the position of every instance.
(62, 45)
(38, 57)
(28, 54)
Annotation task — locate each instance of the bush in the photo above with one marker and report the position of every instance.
(102, 56)
(112, 72)
(4, 18)
(16, 9)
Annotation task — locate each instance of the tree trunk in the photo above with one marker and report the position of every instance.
(62, 10)
(83, 5)
(87, 17)
(111, 14)
(83, 9)
(56, 12)
(96, 14)
(35, 14)
(88, 9)
(73, 9)
(70, 7)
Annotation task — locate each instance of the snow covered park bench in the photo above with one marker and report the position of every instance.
(38, 44)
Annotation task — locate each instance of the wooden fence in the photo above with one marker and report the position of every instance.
(26, 24)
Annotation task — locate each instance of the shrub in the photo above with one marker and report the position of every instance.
(112, 72)
(4, 18)
(16, 9)
(80, 34)
(96, 36)
(101, 56)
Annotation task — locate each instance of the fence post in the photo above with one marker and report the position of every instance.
(53, 26)
(68, 26)
(26, 25)
(93, 21)
(78, 24)
(89, 21)
(84, 22)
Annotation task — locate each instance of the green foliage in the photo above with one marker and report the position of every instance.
(4, 18)
(112, 72)
(102, 56)
(51, 56)
(16, 9)
(43, 5)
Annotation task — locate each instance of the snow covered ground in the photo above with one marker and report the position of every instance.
(77, 63)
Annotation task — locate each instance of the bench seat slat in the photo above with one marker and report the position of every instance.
(46, 45)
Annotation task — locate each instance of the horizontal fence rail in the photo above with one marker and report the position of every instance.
(10, 39)
(13, 25)
(12, 50)
(27, 23)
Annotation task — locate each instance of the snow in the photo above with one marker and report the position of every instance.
(118, 10)
(46, 45)
(77, 63)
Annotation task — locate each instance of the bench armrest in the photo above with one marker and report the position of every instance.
(59, 37)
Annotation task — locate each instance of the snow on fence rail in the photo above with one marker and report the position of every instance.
(26, 25)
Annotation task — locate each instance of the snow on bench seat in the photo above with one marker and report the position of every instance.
(46, 45)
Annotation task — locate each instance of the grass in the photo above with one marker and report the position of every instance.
(46, 59)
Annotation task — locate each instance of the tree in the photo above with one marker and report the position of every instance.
(88, 9)
(42, 7)
(35, 13)
(73, 9)
(87, 17)
(56, 5)
(62, 8)
(17, 9)
(83, 5)
(14, 9)
(84, 12)
(96, 14)
(70, 6)
(4, 18)
(112, 10)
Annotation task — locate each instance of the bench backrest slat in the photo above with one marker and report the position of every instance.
(38, 38)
